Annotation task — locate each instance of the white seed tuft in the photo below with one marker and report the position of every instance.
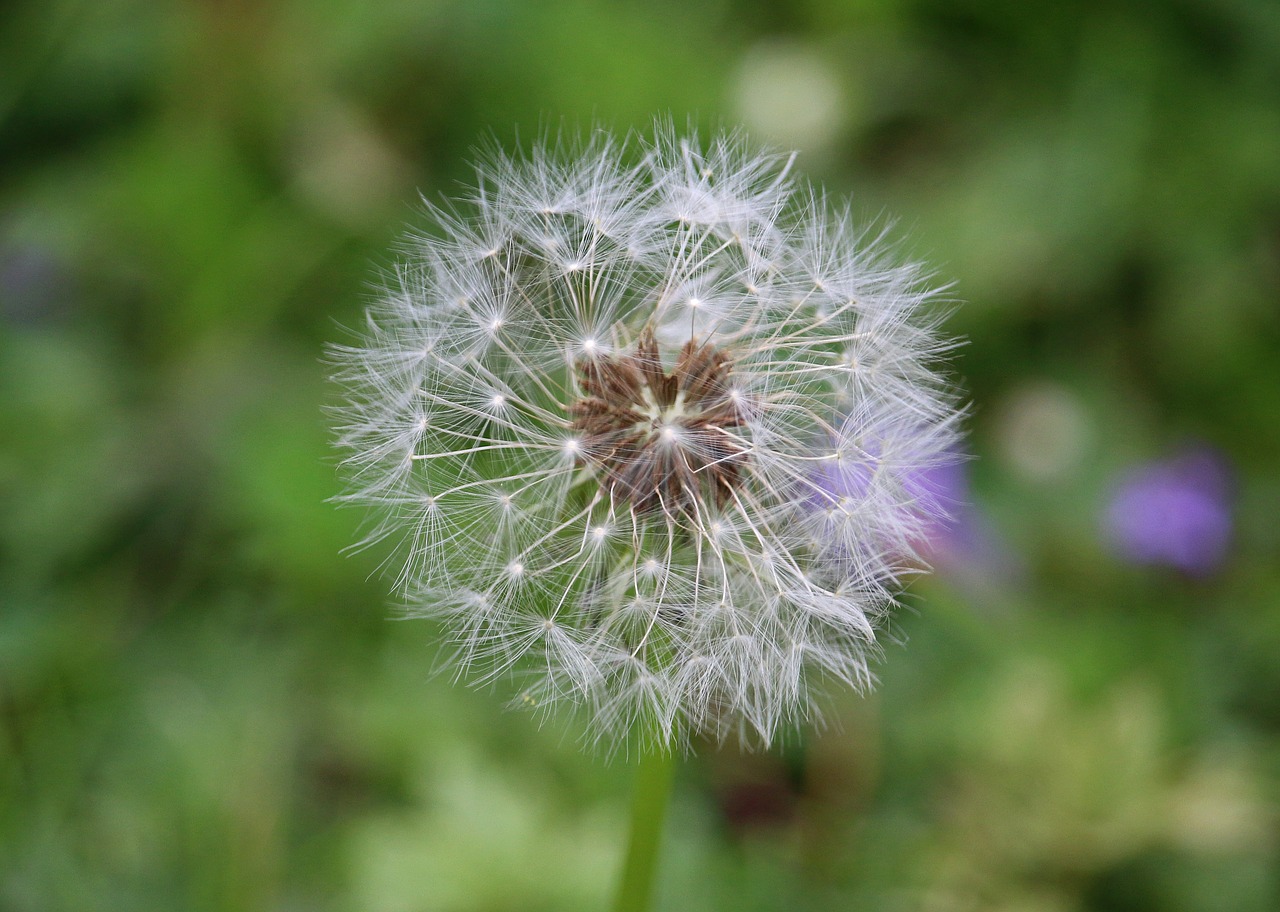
(644, 418)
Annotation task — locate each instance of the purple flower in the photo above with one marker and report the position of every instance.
(34, 285)
(1174, 512)
(942, 496)
(958, 538)
(946, 530)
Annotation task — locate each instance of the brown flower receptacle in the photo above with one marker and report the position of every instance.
(656, 438)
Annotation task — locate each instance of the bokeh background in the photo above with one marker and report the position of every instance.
(204, 706)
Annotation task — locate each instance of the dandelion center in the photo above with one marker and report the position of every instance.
(658, 439)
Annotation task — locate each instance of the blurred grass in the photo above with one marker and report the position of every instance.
(202, 706)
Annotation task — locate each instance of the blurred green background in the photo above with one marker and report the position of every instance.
(203, 706)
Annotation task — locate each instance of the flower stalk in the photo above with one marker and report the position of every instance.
(655, 776)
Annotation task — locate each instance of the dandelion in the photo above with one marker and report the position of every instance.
(599, 408)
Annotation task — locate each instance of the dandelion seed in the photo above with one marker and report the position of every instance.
(640, 416)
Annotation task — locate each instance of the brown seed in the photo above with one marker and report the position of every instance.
(659, 440)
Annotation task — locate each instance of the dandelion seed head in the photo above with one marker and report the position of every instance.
(641, 417)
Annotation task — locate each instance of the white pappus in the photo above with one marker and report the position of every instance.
(642, 417)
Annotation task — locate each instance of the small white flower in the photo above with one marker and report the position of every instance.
(642, 430)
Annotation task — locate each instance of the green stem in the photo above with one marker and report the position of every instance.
(648, 808)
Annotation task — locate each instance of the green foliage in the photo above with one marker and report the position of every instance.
(203, 706)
